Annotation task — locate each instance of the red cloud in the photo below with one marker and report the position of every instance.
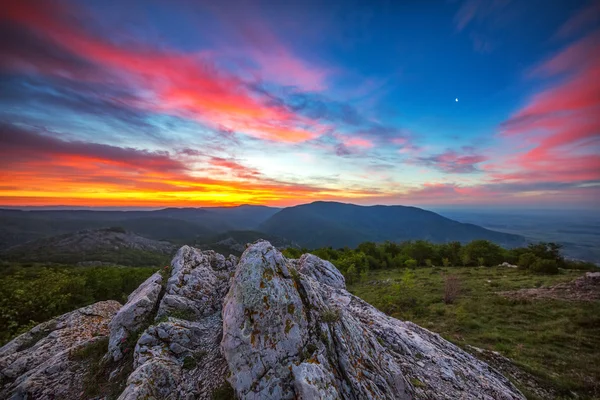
(178, 83)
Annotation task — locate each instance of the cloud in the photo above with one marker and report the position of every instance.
(453, 162)
(24, 146)
(46, 169)
(559, 126)
(585, 17)
(183, 84)
(477, 11)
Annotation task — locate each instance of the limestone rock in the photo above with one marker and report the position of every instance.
(179, 355)
(39, 364)
(321, 270)
(134, 315)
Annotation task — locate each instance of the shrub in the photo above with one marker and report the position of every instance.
(410, 263)
(330, 315)
(446, 262)
(545, 266)
(451, 288)
(527, 260)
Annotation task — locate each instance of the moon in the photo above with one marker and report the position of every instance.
(456, 99)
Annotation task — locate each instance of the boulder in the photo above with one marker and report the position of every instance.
(179, 354)
(134, 315)
(40, 364)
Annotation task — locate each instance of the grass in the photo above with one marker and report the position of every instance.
(330, 316)
(557, 341)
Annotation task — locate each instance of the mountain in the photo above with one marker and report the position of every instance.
(179, 225)
(89, 247)
(334, 224)
(261, 327)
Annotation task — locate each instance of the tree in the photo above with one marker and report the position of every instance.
(491, 252)
(446, 262)
(420, 251)
(466, 259)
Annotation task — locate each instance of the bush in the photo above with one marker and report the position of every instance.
(330, 315)
(410, 263)
(32, 295)
(451, 288)
(545, 266)
(527, 260)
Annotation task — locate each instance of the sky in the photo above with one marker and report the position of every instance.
(466, 103)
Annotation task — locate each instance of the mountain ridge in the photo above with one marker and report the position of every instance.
(322, 224)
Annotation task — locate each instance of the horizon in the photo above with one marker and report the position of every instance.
(440, 209)
(460, 105)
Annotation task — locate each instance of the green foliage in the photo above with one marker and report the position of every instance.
(485, 252)
(408, 279)
(224, 392)
(330, 315)
(370, 256)
(526, 260)
(189, 362)
(91, 351)
(545, 266)
(32, 295)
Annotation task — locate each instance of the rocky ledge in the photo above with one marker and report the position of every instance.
(263, 327)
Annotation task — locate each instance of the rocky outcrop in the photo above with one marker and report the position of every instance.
(264, 328)
(288, 335)
(179, 355)
(40, 364)
(134, 315)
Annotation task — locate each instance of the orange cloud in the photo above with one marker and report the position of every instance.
(46, 170)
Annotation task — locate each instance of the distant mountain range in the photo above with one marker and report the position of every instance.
(310, 225)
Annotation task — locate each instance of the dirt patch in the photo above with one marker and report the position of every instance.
(584, 288)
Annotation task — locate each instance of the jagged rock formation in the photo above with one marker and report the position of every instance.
(39, 364)
(271, 328)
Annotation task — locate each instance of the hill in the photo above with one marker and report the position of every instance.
(110, 245)
(179, 225)
(334, 224)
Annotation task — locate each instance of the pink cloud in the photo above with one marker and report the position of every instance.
(560, 124)
(183, 84)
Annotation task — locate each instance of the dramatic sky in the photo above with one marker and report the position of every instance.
(193, 103)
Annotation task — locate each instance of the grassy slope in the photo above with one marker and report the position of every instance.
(557, 341)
